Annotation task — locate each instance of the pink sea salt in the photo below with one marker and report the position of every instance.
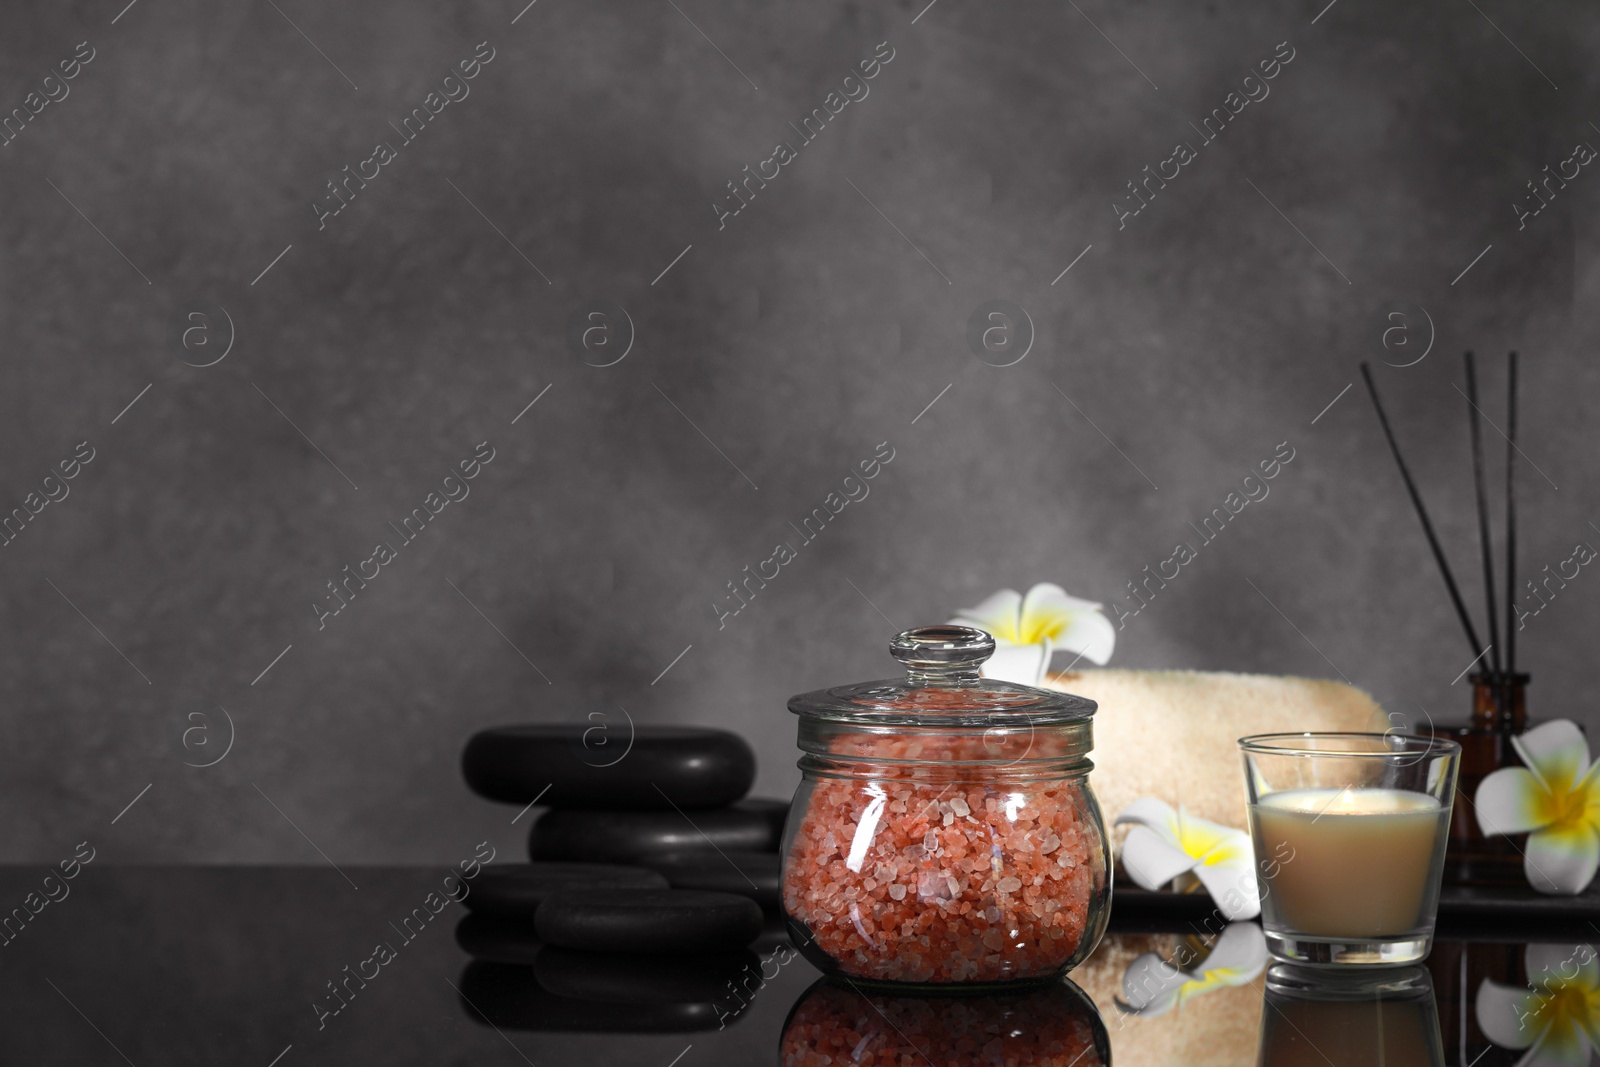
(998, 889)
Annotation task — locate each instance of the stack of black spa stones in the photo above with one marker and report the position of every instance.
(652, 878)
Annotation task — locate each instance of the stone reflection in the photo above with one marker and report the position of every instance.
(1382, 1017)
(512, 998)
(1054, 1025)
(517, 983)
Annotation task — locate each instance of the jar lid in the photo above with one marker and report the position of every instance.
(942, 687)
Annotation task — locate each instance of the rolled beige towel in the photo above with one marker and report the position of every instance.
(1172, 734)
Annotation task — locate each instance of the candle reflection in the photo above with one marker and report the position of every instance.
(1386, 1018)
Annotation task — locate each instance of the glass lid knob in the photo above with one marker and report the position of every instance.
(942, 652)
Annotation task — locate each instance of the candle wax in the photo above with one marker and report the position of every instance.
(1351, 863)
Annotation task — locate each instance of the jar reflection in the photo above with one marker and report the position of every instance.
(1055, 1025)
(1313, 1018)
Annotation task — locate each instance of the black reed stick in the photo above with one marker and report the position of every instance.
(1422, 514)
(1482, 491)
(1511, 515)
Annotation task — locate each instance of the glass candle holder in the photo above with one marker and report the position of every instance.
(1350, 833)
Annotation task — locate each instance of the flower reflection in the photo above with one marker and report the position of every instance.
(1557, 1018)
(1154, 986)
(1053, 1025)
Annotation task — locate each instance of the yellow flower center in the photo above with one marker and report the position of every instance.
(1566, 806)
(1034, 627)
(1562, 1008)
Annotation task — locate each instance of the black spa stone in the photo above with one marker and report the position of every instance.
(514, 890)
(613, 766)
(628, 836)
(511, 998)
(775, 935)
(649, 920)
(645, 978)
(776, 811)
(497, 940)
(756, 875)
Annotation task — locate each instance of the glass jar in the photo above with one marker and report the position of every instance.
(944, 832)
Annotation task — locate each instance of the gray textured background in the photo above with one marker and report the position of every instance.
(797, 339)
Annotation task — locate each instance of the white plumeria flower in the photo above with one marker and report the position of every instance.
(1164, 844)
(1557, 1019)
(1555, 799)
(1028, 630)
(1152, 986)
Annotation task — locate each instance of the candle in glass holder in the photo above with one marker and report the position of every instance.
(1352, 862)
(1349, 833)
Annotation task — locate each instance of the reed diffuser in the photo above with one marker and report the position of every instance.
(1498, 710)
